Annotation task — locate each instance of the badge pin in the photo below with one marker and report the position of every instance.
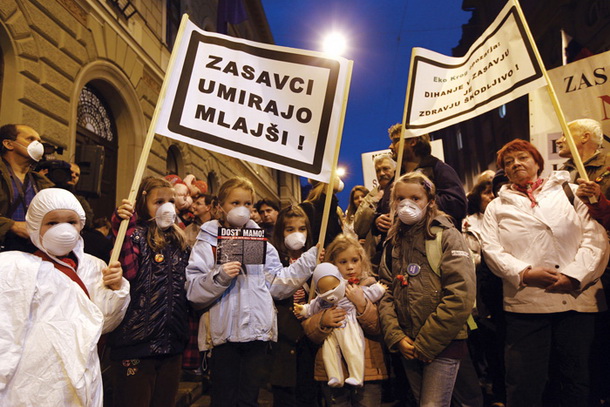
(159, 257)
(413, 269)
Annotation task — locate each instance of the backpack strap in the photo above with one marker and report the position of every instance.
(434, 250)
(569, 192)
(434, 253)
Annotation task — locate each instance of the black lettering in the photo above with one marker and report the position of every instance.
(271, 107)
(569, 84)
(240, 124)
(280, 83)
(304, 115)
(247, 72)
(600, 73)
(264, 78)
(205, 114)
(231, 68)
(294, 87)
(211, 86)
(255, 101)
(214, 62)
(226, 93)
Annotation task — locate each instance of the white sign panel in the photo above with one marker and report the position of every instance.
(368, 162)
(499, 67)
(583, 90)
(274, 106)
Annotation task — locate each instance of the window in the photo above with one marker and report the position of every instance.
(94, 115)
(174, 160)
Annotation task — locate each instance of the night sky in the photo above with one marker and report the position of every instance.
(380, 35)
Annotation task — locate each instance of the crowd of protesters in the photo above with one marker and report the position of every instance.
(424, 294)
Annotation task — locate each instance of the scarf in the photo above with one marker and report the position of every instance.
(529, 189)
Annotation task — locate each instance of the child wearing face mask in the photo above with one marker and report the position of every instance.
(344, 318)
(55, 304)
(429, 297)
(146, 349)
(240, 299)
(292, 358)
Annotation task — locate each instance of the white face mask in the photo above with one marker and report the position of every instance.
(238, 216)
(295, 241)
(165, 215)
(333, 296)
(35, 150)
(60, 239)
(409, 212)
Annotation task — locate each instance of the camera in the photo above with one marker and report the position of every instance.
(57, 171)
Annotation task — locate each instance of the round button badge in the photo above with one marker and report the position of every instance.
(413, 269)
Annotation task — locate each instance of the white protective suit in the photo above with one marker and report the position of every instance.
(49, 328)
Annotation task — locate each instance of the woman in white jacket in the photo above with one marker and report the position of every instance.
(550, 255)
(55, 305)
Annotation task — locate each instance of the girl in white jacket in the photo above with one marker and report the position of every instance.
(240, 299)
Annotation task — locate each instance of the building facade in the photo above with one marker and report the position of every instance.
(88, 73)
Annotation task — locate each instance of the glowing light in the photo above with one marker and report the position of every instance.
(341, 171)
(334, 44)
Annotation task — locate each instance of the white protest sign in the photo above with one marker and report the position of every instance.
(275, 106)
(583, 90)
(368, 162)
(499, 67)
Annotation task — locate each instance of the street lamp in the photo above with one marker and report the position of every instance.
(334, 44)
(341, 171)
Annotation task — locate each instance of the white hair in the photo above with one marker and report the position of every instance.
(591, 126)
(383, 157)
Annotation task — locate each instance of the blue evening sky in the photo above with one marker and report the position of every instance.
(380, 35)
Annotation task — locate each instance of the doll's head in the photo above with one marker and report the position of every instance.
(330, 285)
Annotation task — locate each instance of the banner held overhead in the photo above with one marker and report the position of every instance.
(270, 105)
(499, 67)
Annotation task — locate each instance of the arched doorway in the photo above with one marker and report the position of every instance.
(96, 127)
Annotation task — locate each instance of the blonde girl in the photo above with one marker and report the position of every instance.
(240, 299)
(146, 349)
(424, 311)
(354, 266)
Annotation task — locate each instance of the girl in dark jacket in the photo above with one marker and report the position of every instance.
(428, 301)
(293, 355)
(146, 349)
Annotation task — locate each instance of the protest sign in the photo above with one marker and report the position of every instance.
(499, 67)
(275, 106)
(245, 245)
(583, 90)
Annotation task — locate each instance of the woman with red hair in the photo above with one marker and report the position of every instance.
(550, 254)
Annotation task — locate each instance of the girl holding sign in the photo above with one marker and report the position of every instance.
(240, 299)
(146, 349)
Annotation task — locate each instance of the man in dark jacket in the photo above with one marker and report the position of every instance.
(450, 195)
(21, 147)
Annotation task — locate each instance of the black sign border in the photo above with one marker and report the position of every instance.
(175, 126)
(530, 50)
